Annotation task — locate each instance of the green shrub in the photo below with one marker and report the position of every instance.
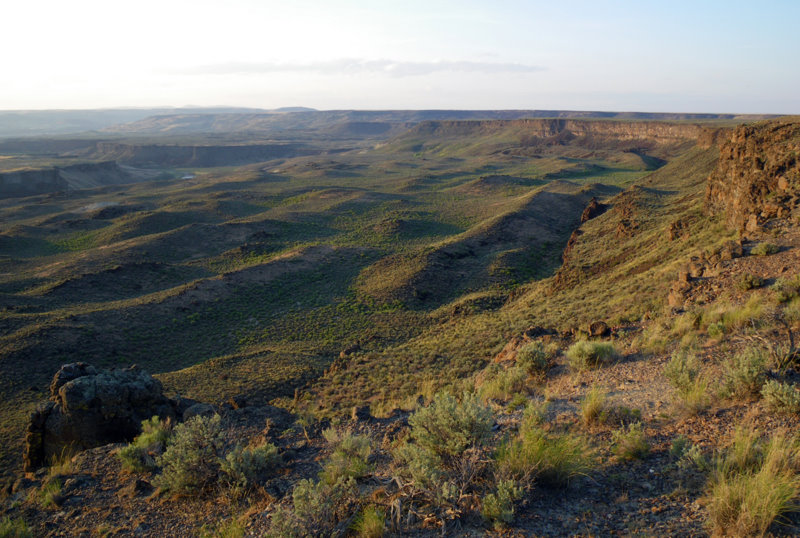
(781, 397)
(786, 289)
(754, 484)
(192, 460)
(444, 451)
(583, 355)
(683, 373)
(14, 528)
(498, 507)
(49, 494)
(141, 454)
(680, 445)
(745, 373)
(320, 506)
(749, 282)
(716, 330)
(791, 312)
(593, 405)
(244, 467)
(231, 528)
(535, 414)
(535, 455)
(370, 523)
(630, 442)
(518, 401)
(764, 249)
(317, 509)
(535, 358)
(681, 370)
(448, 427)
(349, 458)
(504, 384)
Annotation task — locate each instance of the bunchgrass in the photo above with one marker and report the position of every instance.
(585, 355)
(754, 484)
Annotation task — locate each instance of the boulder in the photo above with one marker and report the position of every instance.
(599, 328)
(361, 413)
(89, 408)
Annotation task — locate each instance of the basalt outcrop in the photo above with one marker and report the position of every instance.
(758, 175)
(90, 407)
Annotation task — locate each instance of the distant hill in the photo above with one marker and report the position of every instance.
(192, 120)
(308, 119)
(54, 122)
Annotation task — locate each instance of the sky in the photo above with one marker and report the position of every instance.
(659, 56)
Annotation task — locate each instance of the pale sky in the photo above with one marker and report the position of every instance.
(666, 56)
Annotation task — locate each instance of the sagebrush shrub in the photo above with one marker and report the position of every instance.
(246, 466)
(448, 427)
(745, 372)
(535, 358)
(786, 289)
(349, 458)
(781, 397)
(317, 508)
(141, 454)
(683, 373)
(192, 460)
(498, 507)
(630, 442)
(749, 281)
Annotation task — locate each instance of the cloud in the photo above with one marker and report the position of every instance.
(361, 66)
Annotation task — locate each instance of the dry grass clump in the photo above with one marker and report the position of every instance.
(370, 523)
(585, 355)
(754, 484)
(536, 455)
(593, 405)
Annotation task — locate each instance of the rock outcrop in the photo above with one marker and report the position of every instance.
(758, 175)
(90, 407)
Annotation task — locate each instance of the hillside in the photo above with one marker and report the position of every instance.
(611, 305)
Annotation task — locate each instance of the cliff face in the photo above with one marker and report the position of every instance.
(46, 180)
(31, 182)
(654, 131)
(166, 155)
(758, 174)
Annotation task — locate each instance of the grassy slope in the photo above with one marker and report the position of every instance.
(163, 282)
(610, 277)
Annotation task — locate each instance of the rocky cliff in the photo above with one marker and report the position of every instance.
(656, 131)
(758, 174)
(47, 180)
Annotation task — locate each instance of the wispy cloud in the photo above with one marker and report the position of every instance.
(355, 66)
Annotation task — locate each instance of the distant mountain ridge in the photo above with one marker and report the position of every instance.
(165, 120)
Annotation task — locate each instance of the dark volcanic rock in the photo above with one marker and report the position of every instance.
(758, 174)
(91, 408)
(592, 210)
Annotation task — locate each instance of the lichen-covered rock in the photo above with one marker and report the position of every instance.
(90, 408)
